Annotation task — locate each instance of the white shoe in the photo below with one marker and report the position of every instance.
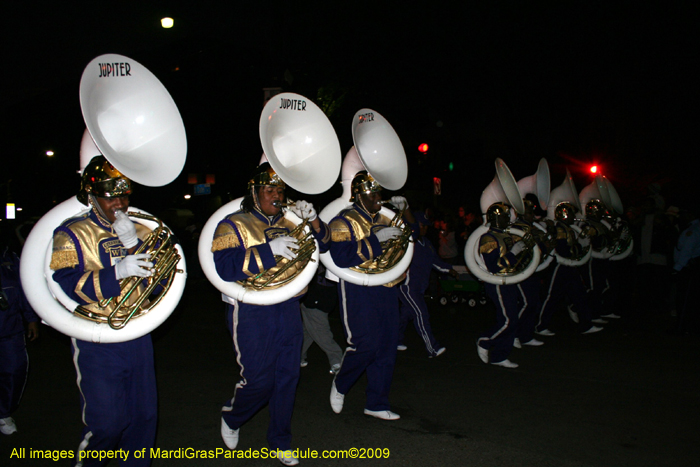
(611, 316)
(545, 332)
(335, 368)
(286, 458)
(533, 342)
(440, 351)
(337, 399)
(229, 436)
(572, 314)
(592, 329)
(383, 414)
(599, 321)
(505, 364)
(7, 426)
(401, 347)
(304, 364)
(516, 343)
(483, 353)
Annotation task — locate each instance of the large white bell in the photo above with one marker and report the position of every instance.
(133, 120)
(300, 143)
(380, 149)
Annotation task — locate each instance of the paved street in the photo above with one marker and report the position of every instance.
(627, 396)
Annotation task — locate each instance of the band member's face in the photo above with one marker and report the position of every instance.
(267, 195)
(110, 205)
(372, 201)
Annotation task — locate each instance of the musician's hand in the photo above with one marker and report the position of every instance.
(125, 229)
(400, 202)
(584, 241)
(281, 246)
(518, 248)
(304, 210)
(387, 233)
(134, 265)
(32, 330)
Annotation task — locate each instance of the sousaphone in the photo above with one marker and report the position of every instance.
(625, 243)
(539, 184)
(597, 190)
(503, 188)
(302, 147)
(133, 121)
(379, 151)
(567, 193)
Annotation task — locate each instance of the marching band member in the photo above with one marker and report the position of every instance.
(15, 315)
(91, 253)
(412, 291)
(500, 251)
(530, 287)
(595, 276)
(370, 314)
(267, 339)
(566, 279)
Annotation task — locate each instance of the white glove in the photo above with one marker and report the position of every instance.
(304, 210)
(133, 265)
(281, 246)
(518, 248)
(125, 229)
(387, 233)
(400, 202)
(584, 242)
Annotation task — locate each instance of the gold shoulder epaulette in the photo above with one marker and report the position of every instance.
(64, 254)
(340, 232)
(486, 246)
(224, 237)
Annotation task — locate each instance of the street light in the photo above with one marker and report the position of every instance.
(167, 23)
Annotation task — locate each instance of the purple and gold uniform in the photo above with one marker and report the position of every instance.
(116, 381)
(566, 280)
(370, 314)
(14, 312)
(494, 247)
(267, 339)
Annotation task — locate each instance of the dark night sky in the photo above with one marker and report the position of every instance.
(574, 82)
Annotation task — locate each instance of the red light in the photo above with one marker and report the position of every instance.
(594, 169)
(423, 148)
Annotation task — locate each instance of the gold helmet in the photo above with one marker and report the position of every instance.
(595, 209)
(265, 175)
(498, 215)
(565, 212)
(101, 179)
(363, 182)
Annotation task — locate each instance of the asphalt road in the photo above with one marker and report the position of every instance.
(627, 396)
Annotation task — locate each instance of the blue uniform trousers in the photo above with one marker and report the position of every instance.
(413, 308)
(499, 339)
(267, 341)
(596, 277)
(14, 365)
(371, 324)
(118, 397)
(530, 305)
(566, 280)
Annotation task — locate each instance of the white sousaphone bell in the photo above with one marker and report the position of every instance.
(379, 151)
(617, 208)
(302, 147)
(132, 120)
(567, 193)
(539, 184)
(503, 188)
(597, 190)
